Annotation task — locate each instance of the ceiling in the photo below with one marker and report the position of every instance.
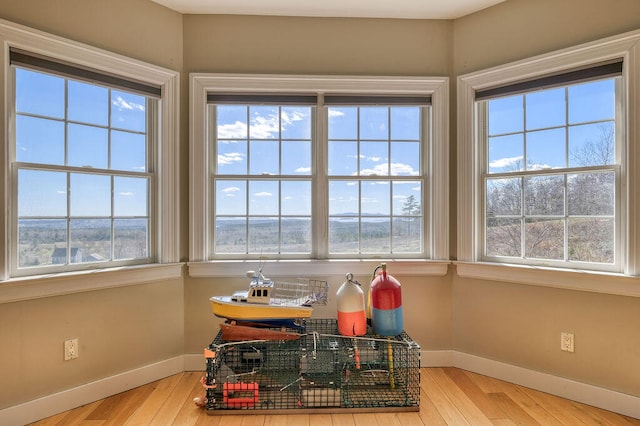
(405, 9)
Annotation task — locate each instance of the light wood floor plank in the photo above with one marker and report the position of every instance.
(469, 410)
(150, 407)
(448, 396)
(447, 409)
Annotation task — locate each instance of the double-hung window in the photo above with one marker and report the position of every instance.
(547, 160)
(312, 168)
(88, 135)
(82, 167)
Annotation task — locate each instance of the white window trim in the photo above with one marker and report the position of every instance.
(625, 46)
(199, 170)
(38, 42)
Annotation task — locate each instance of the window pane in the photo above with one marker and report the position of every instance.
(374, 123)
(296, 122)
(296, 235)
(296, 158)
(544, 239)
(88, 146)
(506, 153)
(90, 195)
(375, 198)
(546, 149)
(506, 115)
(405, 158)
(407, 233)
(128, 151)
(546, 109)
(42, 193)
(128, 111)
(130, 238)
(265, 122)
(503, 197)
(544, 195)
(231, 197)
(40, 94)
(41, 242)
(296, 198)
(591, 194)
(592, 101)
(504, 237)
(231, 235)
(232, 157)
(344, 235)
(592, 240)
(90, 240)
(405, 123)
(264, 235)
(375, 235)
(344, 198)
(374, 158)
(88, 103)
(263, 197)
(232, 122)
(343, 158)
(343, 123)
(130, 196)
(591, 145)
(407, 198)
(39, 140)
(264, 158)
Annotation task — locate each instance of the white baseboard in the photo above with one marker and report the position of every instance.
(52, 404)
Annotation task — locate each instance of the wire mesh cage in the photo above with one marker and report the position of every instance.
(321, 369)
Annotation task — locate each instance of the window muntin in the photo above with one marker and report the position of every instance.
(82, 174)
(550, 192)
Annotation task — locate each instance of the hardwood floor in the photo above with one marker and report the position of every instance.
(449, 396)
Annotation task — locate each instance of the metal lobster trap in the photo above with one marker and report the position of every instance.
(320, 370)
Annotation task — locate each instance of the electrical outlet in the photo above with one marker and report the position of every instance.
(566, 342)
(70, 349)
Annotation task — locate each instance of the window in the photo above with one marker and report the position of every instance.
(88, 134)
(552, 160)
(83, 174)
(546, 163)
(301, 168)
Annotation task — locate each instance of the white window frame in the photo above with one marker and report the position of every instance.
(201, 84)
(167, 201)
(470, 155)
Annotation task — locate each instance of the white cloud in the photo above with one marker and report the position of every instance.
(506, 162)
(61, 192)
(122, 104)
(335, 113)
(396, 169)
(263, 194)
(231, 191)
(230, 158)
(236, 130)
(303, 169)
(126, 194)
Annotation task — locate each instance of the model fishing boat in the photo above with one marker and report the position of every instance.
(268, 303)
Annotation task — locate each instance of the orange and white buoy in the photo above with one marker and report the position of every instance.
(352, 320)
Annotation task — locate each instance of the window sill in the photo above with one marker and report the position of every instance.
(311, 268)
(35, 287)
(571, 279)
